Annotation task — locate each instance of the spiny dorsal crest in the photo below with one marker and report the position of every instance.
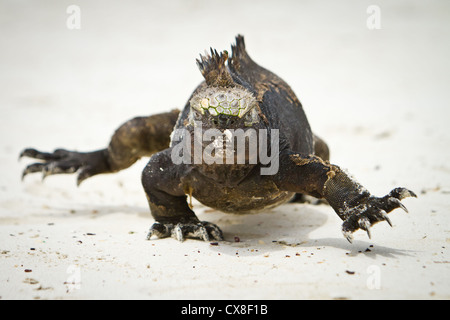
(238, 53)
(214, 70)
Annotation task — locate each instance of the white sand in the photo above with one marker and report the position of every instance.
(380, 98)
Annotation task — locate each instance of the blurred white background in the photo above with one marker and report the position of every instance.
(379, 97)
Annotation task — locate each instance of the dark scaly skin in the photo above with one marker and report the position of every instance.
(235, 188)
(136, 138)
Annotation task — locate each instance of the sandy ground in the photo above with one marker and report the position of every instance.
(380, 98)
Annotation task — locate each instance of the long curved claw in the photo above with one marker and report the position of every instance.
(365, 224)
(386, 218)
(399, 204)
(32, 168)
(373, 210)
(368, 233)
(348, 235)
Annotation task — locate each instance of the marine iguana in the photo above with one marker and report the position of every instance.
(192, 153)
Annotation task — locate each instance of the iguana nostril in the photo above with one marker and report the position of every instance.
(223, 120)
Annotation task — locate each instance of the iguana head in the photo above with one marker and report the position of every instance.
(221, 103)
(224, 107)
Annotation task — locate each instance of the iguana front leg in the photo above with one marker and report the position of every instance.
(166, 194)
(352, 202)
(136, 138)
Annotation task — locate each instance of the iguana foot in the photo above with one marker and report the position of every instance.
(64, 161)
(202, 230)
(373, 210)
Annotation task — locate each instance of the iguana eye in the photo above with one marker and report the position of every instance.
(251, 117)
(248, 119)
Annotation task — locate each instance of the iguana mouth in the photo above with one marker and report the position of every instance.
(238, 146)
